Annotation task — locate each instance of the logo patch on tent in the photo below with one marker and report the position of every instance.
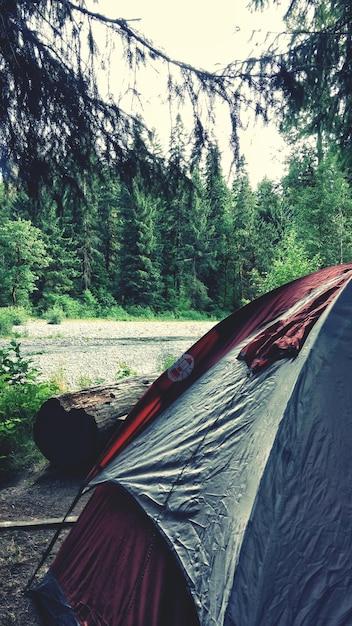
(181, 368)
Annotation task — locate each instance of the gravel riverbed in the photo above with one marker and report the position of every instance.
(82, 353)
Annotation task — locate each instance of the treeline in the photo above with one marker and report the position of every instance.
(170, 237)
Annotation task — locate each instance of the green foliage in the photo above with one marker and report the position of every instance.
(10, 316)
(55, 315)
(18, 314)
(21, 395)
(117, 313)
(14, 369)
(23, 256)
(244, 240)
(85, 380)
(58, 307)
(71, 307)
(123, 371)
(139, 277)
(321, 203)
(311, 75)
(6, 322)
(181, 244)
(90, 304)
(166, 361)
(290, 263)
(140, 312)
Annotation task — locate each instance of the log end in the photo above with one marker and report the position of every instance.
(68, 439)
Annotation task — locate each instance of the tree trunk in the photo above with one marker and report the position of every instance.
(72, 429)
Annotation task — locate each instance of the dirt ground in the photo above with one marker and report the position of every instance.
(40, 493)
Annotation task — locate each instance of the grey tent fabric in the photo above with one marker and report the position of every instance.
(198, 470)
(295, 567)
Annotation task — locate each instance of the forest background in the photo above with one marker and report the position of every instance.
(101, 221)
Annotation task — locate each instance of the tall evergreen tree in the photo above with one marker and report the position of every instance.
(271, 222)
(138, 280)
(174, 219)
(219, 228)
(63, 268)
(244, 210)
(313, 75)
(108, 195)
(52, 110)
(197, 251)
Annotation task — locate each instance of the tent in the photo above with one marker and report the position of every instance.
(225, 499)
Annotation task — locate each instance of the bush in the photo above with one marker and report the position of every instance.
(19, 315)
(21, 395)
(190, 315)
(141, 312)
(118, 313)
(9, 316)
(71, 308)
(55, 315)
(6, 323)
(90, 305)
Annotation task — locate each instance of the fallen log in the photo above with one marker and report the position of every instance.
(71, 429)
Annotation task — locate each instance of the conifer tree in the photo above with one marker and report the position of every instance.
(311, 72)
(270, 224)
(53, 110)
(138, 279)
(219, 230)
(174, 219)
(244, 211)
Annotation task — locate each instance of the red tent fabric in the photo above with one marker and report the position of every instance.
(115, 532)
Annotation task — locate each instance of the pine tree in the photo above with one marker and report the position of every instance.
(174, 221)
(219, 228)
(271, 222)
(108, 194)
(313, 78)
(244, 211)
(138, 275)
(52, 110)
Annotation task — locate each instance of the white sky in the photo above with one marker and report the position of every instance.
(210, 35)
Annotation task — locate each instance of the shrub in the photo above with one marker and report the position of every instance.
(9, 316)
(21, 395)
(19, 315)
(123, 371)
(141, 312)
(90, 304)
(166, 361)
(72, 308)
(118, 313)
(6, 323)
(55, 315)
